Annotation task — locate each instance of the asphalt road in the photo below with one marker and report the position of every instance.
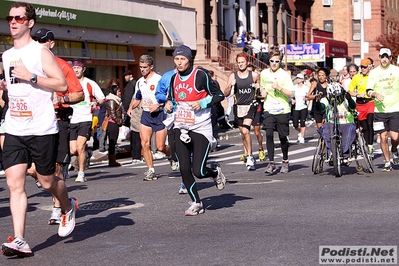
(258, 219)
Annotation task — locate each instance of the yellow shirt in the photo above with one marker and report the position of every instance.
(360, 82)
(276, 102)
(385, 82)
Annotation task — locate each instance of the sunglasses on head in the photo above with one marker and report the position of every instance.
(274, 61)
(19, 19)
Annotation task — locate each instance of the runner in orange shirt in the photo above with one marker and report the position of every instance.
(61, 102)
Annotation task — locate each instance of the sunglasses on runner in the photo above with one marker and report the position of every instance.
(274, 61)
(19, 19)
(363, 66)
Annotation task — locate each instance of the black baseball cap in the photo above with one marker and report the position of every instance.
(43, 35)
(127, 72)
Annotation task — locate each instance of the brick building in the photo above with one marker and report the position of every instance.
(341, 17)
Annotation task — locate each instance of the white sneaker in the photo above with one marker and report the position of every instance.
(38, 183)
(158, 155)
(81, 178)
(55, 217)
(195, 209)
(183, 189)
(16, 247)
(174, 165)
(68, 219)
(301, 140)
(137, 161)
(220, 179)
(250, 163)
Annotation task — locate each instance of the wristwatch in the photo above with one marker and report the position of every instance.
(33, 79)
(66, 99)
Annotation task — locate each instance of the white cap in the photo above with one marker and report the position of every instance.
(385, 51)
(300, 76)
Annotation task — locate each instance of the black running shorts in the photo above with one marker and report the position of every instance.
(40, 150)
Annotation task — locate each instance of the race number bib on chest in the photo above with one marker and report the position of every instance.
(185, 114)
(242, 110)
(20, 106)
(146, 103)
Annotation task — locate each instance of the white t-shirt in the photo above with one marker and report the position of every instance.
(300, 93)
(82, 110)
(256, 46)
(264, 47)
(147, 91)
(30, 110)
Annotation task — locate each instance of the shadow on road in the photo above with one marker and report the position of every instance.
(222, 201)
(90, 228)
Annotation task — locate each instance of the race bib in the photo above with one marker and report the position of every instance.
(242, 110)
(185, 114)
(276, 108)
(378, 126)
(146, 103)
(20, 106)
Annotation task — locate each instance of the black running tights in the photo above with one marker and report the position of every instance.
(270, 144)
(199, 147)
(368, 130)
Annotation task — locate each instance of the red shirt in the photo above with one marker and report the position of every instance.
(71, 79)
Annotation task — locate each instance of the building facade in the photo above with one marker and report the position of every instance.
(111, 35)
(343, 19)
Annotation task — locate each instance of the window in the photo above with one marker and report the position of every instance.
(328, 25)
(356, 28)
(327, 2)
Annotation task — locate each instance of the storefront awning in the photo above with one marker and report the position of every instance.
(334, 48)
(94, 51)
(171, 37)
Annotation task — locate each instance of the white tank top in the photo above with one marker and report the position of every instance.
(30, 110)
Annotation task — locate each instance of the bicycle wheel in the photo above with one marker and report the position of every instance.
(336, 155)
(318, 157)
(368, 161)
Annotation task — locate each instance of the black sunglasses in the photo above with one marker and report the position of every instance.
(19, 19)
(363, 66)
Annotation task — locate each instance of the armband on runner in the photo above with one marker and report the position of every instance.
(369, 93)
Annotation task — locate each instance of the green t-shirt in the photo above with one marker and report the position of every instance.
(276, 102)
(385, 82)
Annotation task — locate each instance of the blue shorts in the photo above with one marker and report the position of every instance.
(153, 120)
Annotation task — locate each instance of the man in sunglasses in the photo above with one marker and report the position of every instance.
(63, 110)
(277, 88)
(364, 104)
(383, 87)
(31, 78)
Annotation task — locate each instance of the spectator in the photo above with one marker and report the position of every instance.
(256, 48)
(233, 39)
(242, 39)
(264, 49)
(113, 119)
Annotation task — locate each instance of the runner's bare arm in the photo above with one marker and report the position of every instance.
(55, 80)
(230, 83)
